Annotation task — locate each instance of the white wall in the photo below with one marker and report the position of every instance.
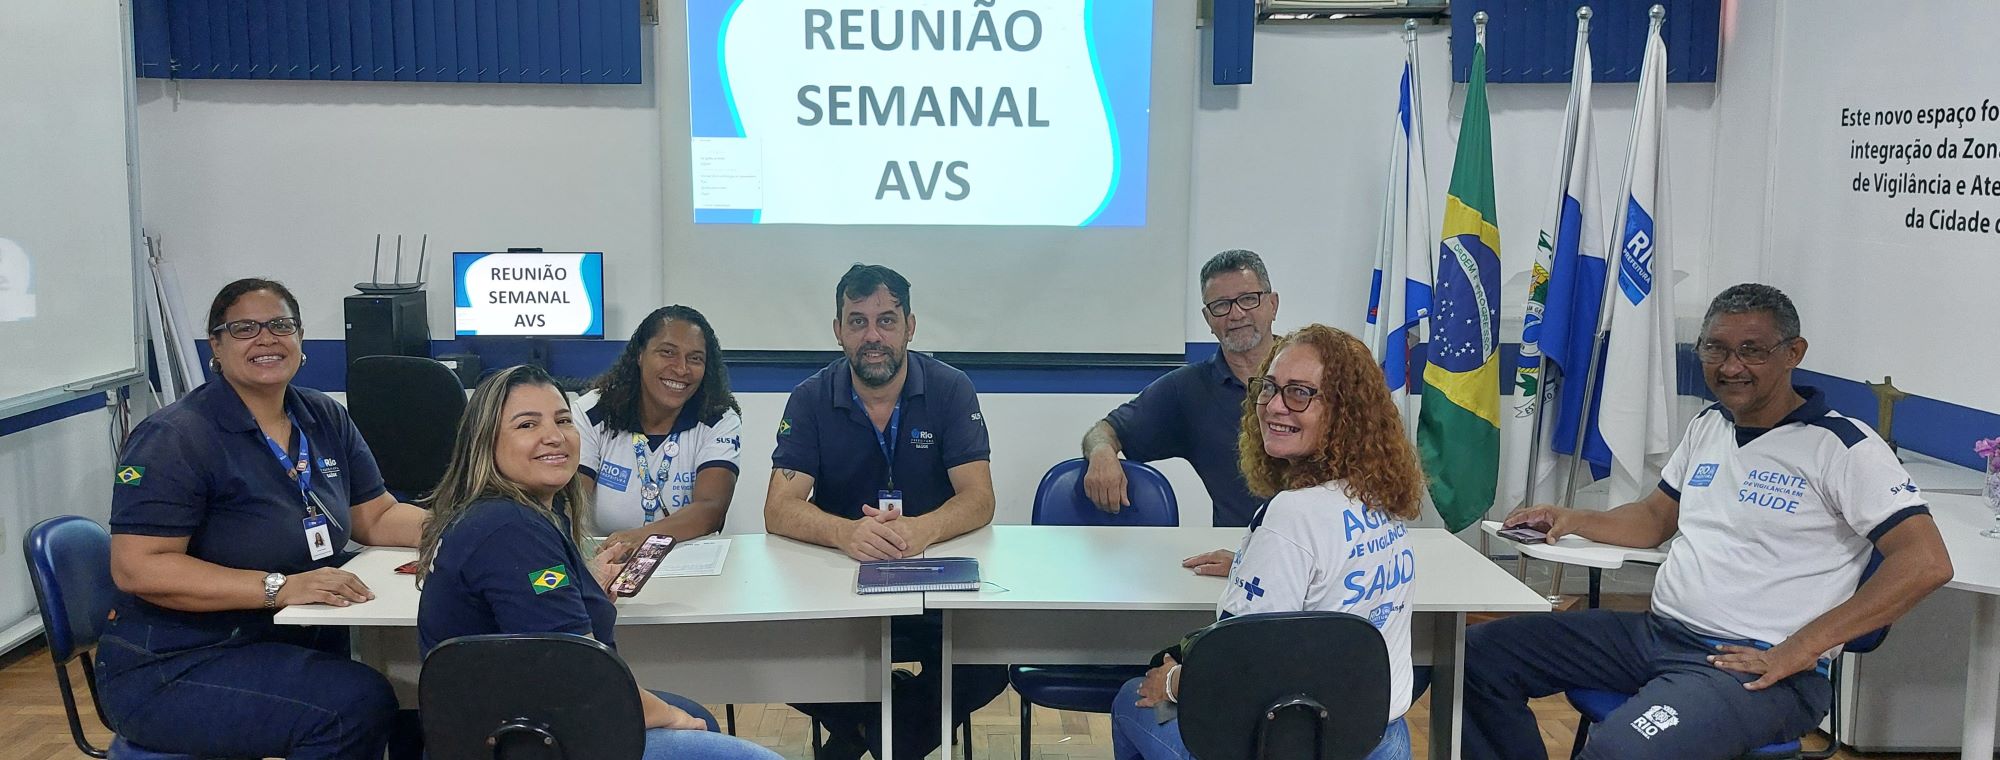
(294, 180)
(1292, 166)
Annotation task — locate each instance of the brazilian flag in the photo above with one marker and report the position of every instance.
(1458, 430)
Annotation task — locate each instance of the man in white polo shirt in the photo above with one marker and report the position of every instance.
(1779, 502)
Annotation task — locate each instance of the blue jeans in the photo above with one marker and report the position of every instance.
(1683, 708)
(1137, 735)
(283, 692)
(678, 744)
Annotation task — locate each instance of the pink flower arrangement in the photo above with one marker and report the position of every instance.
(1989, 450)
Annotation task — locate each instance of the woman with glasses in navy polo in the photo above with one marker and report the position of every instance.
(228, 505)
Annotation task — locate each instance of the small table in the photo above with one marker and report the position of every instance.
(1975, 561)
(1577, 550)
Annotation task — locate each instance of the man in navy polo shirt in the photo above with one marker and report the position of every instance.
(1196, 412)
(1779, 502)
(880, 455)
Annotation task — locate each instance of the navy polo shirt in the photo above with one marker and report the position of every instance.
(503, 567)
(1193, 413)
(200, 469)
(826, 435)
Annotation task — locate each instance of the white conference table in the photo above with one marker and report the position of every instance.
(1089, 595)
(1975, 561)
(781, 623)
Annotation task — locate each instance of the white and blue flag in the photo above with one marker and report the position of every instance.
(1633, 419)
(1400, 291)
(1565, 291)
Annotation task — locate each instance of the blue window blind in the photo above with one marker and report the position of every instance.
(1532, 41)
(525, 41)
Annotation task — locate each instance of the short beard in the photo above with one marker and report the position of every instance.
(1240, 345)
(878, 375)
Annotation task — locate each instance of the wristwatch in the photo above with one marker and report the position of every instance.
(272, 583)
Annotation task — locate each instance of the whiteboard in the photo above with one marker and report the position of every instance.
(68, 302)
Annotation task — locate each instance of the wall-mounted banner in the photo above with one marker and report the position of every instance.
(973, 112)
(550, 294)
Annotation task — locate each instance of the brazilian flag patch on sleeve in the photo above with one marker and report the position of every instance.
(550, 579)
(129, 475)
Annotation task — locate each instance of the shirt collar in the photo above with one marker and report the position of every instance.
(1815, 407)
(1218, 370)
(843, 378)
(229, 412)
(689, 417)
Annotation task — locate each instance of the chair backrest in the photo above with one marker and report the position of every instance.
(1060, 499)
(1867, 642)
(407, 408)
(1285, 685)
(69, 564)
(547, 696)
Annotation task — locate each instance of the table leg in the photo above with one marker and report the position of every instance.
(1982, 675)
(944, 684)
(888, 695)
(1596, 586)
(1447, 683)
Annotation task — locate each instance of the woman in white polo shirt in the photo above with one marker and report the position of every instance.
(661, 432)
(1324, 443)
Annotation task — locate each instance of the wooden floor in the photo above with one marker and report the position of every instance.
(32, 726)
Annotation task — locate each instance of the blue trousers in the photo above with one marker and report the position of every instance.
(677, 744)
(1137, 735)
(290, 692)
(1683, 708)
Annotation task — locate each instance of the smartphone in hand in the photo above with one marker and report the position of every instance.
(1527, 534)
(640, 567)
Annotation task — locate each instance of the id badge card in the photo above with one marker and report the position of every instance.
(889, 501)
(319, 540)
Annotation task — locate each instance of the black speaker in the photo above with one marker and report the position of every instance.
(387, 324)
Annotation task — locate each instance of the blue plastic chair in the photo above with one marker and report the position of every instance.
(1060, 500)
(69, 564)
(1595, 704)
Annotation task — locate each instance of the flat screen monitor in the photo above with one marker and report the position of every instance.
(528, 294)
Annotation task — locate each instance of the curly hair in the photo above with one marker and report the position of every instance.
(618, 387)
(1364, 446)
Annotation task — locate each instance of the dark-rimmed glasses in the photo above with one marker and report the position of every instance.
(1298, 397)
(245, 329)
(1251, 300)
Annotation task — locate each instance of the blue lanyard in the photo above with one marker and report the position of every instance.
(649, 487)
(887, 443)
(302, 469)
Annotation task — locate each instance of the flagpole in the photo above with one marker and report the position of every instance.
(1542, 371)
(1658, 14)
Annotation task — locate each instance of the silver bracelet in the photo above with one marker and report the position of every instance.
(1172, 695)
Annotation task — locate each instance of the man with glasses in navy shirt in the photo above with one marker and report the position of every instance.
(1780, 502)
(1195, 412)
(880, 455)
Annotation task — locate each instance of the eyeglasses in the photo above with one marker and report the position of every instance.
(245, 329)
(1711, 352)
(1251, 300)
(1298, 397)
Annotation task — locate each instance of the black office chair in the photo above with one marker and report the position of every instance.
(407, 408)
(543, 696)
(1285, 685)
